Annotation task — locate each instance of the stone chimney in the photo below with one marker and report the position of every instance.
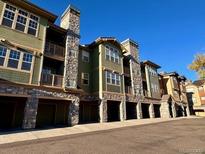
(135, 69)
(70, 20)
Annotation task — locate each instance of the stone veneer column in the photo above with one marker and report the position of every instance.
(122, 111)
(164, 110)
(174, 110)
(70, 20)
(103, 111)
(30, 112)
(151, 111)
(187, 110)
(139, 110)
(183, 110)
(73, 113)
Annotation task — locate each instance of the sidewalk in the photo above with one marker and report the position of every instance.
(56, 132)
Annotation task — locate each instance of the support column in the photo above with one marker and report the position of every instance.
(183, 111)
(103, 111)
(73, 113)
(122, 111)
(174, 110)
(151, 111)
(139, 110)
(187, 111)
(164, 110)
(30, 112)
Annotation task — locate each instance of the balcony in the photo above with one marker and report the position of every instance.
(51, 80)
(54, 51)
(145, 93)
(128, 89)
(127, 70)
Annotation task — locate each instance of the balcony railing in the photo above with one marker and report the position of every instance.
(127, 70)
(51, 80)
(145, 93)
(128, 89)
(52, 49)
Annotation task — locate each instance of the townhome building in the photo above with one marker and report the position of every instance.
(48, 79)
(39, 65)
(196, 96)
(151, 89)
(174, 101)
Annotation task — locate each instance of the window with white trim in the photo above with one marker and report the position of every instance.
(33, 25)
(112, 78)
(85, 56)
(20, 20)
(3, 51)
(27, 61)
(112, 54)
(85, 78)
(13, 59)
(9, 14)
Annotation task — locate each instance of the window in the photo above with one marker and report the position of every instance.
(85, 56)
(112, 54)
(13, 59)
(9, 14)
(27, 60)
(117, 79)
(112, 78)
(20, 20)
(85, 78)
(33, 25)
(2, 55)
(108, 76)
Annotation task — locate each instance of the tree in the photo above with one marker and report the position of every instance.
(198, 65)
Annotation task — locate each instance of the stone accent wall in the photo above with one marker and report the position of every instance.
(32, 102)
(103, 110)
(151, 111)
(164, 109)
(71, 62)
(71, 21)
(30, 112)
(73, 114)
(139, 110)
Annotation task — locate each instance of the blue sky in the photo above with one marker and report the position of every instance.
(169, 32)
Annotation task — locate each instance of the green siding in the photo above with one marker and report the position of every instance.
(84, 67)
(36, 70)
(95, 70)
(109, 64)
(14, 76)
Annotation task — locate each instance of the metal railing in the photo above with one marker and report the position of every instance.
(128, 89)
(52, 49)
(51, 80)
(126, 70)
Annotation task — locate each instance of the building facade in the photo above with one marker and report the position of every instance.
(196, 96)
(174, 101)
(48, 79)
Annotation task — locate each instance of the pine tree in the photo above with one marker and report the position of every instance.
(198, 65)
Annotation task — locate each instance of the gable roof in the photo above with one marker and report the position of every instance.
(199, 82)
(25, 4)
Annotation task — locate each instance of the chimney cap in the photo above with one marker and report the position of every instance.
(71, 8)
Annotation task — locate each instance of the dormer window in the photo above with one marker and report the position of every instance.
(20, 20)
